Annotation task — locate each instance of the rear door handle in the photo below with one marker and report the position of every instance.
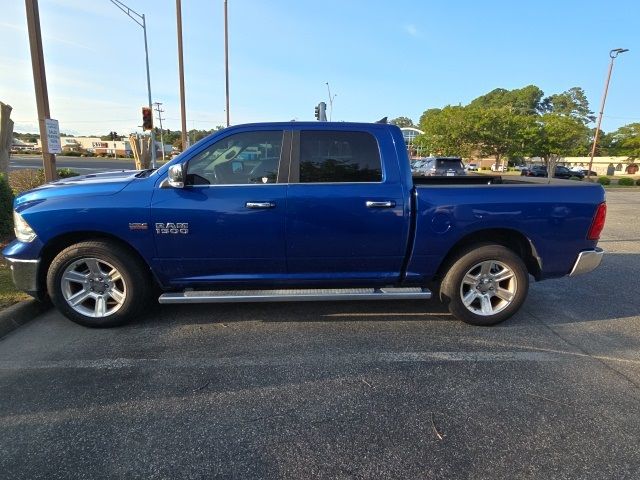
(260, 205)
(387, 204)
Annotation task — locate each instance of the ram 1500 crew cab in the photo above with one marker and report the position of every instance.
(299, 211)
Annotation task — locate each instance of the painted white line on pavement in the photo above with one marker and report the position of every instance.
(364, 358)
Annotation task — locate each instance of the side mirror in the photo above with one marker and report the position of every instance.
(176, 175)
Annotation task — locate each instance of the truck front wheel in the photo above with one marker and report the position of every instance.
(485, 285)
(98, 284)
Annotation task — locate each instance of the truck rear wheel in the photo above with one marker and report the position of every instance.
(485, 285)
(98, 284)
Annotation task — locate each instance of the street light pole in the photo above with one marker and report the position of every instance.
(183, 108)
(612, 54)
(140, 20)
(330, 101)
(226, 58)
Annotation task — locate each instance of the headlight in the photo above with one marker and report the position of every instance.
(23, 231)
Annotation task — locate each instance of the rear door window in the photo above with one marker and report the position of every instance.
(339, 157)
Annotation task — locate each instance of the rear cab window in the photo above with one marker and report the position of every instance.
(339, 157)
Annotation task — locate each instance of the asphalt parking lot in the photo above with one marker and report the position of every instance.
(342, 390)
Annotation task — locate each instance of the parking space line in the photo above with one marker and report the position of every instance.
(310, 359)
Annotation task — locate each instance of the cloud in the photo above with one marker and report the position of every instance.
(412, 30)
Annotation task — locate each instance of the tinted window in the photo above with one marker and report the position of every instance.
(339, 157)
(251, 157)
(449, 163)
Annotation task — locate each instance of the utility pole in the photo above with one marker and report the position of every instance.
(183, 109)
(160, 112)
(226, 58)
(40, 83)
(612, 54)
(140, 20)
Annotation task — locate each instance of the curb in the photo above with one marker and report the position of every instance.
(17, 315)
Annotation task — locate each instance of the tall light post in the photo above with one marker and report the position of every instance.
(330, 101)
(613, 55)
(226, 58)
(183, 108)
(140, 20)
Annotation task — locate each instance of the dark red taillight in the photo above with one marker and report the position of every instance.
(598, 222)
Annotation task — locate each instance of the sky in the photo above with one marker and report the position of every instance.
(380, 58)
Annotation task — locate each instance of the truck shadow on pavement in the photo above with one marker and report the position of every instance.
(608, 293)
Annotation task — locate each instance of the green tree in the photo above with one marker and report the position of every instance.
(524, 101)
(446, 132)
(625, 141)
(560, 136)
(500, 132)
(571, 103)
(402, 122)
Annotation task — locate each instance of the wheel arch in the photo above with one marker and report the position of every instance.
(509, 238)
(57, 244)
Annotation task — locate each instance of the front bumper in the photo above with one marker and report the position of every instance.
(587, 261)
(25, 274)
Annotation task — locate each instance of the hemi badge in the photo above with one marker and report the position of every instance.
(138, 226)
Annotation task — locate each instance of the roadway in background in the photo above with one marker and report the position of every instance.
(81, 165)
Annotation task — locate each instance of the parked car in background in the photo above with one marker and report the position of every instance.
(534, 171)
(472, 167)
(564, 172)
(442, 167)
(541, 171)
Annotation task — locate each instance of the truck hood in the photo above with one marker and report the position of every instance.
(107, 183)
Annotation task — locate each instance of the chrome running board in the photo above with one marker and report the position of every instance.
(295, 295)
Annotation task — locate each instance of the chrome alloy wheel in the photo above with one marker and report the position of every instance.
(93, 287)
(488, 288)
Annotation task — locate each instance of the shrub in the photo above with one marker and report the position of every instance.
(30, 178)
(71, 153)
(638, 182)
(25, 179)
(66, 173)
(626, 182)
(575, 178)
(604, 180)
(6, 208)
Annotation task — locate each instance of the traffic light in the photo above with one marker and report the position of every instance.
(321, 112)
(147, 119)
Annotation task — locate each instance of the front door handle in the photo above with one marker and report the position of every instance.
(259, 205)
(387, 204)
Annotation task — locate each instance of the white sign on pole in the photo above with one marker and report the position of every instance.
(53, 135)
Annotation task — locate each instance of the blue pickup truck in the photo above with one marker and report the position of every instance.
(297, 212)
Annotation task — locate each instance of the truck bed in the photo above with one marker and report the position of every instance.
(495, 180)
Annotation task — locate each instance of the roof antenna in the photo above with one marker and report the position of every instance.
(382, 120)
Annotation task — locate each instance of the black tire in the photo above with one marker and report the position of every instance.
(123, 293)
(487, 264)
